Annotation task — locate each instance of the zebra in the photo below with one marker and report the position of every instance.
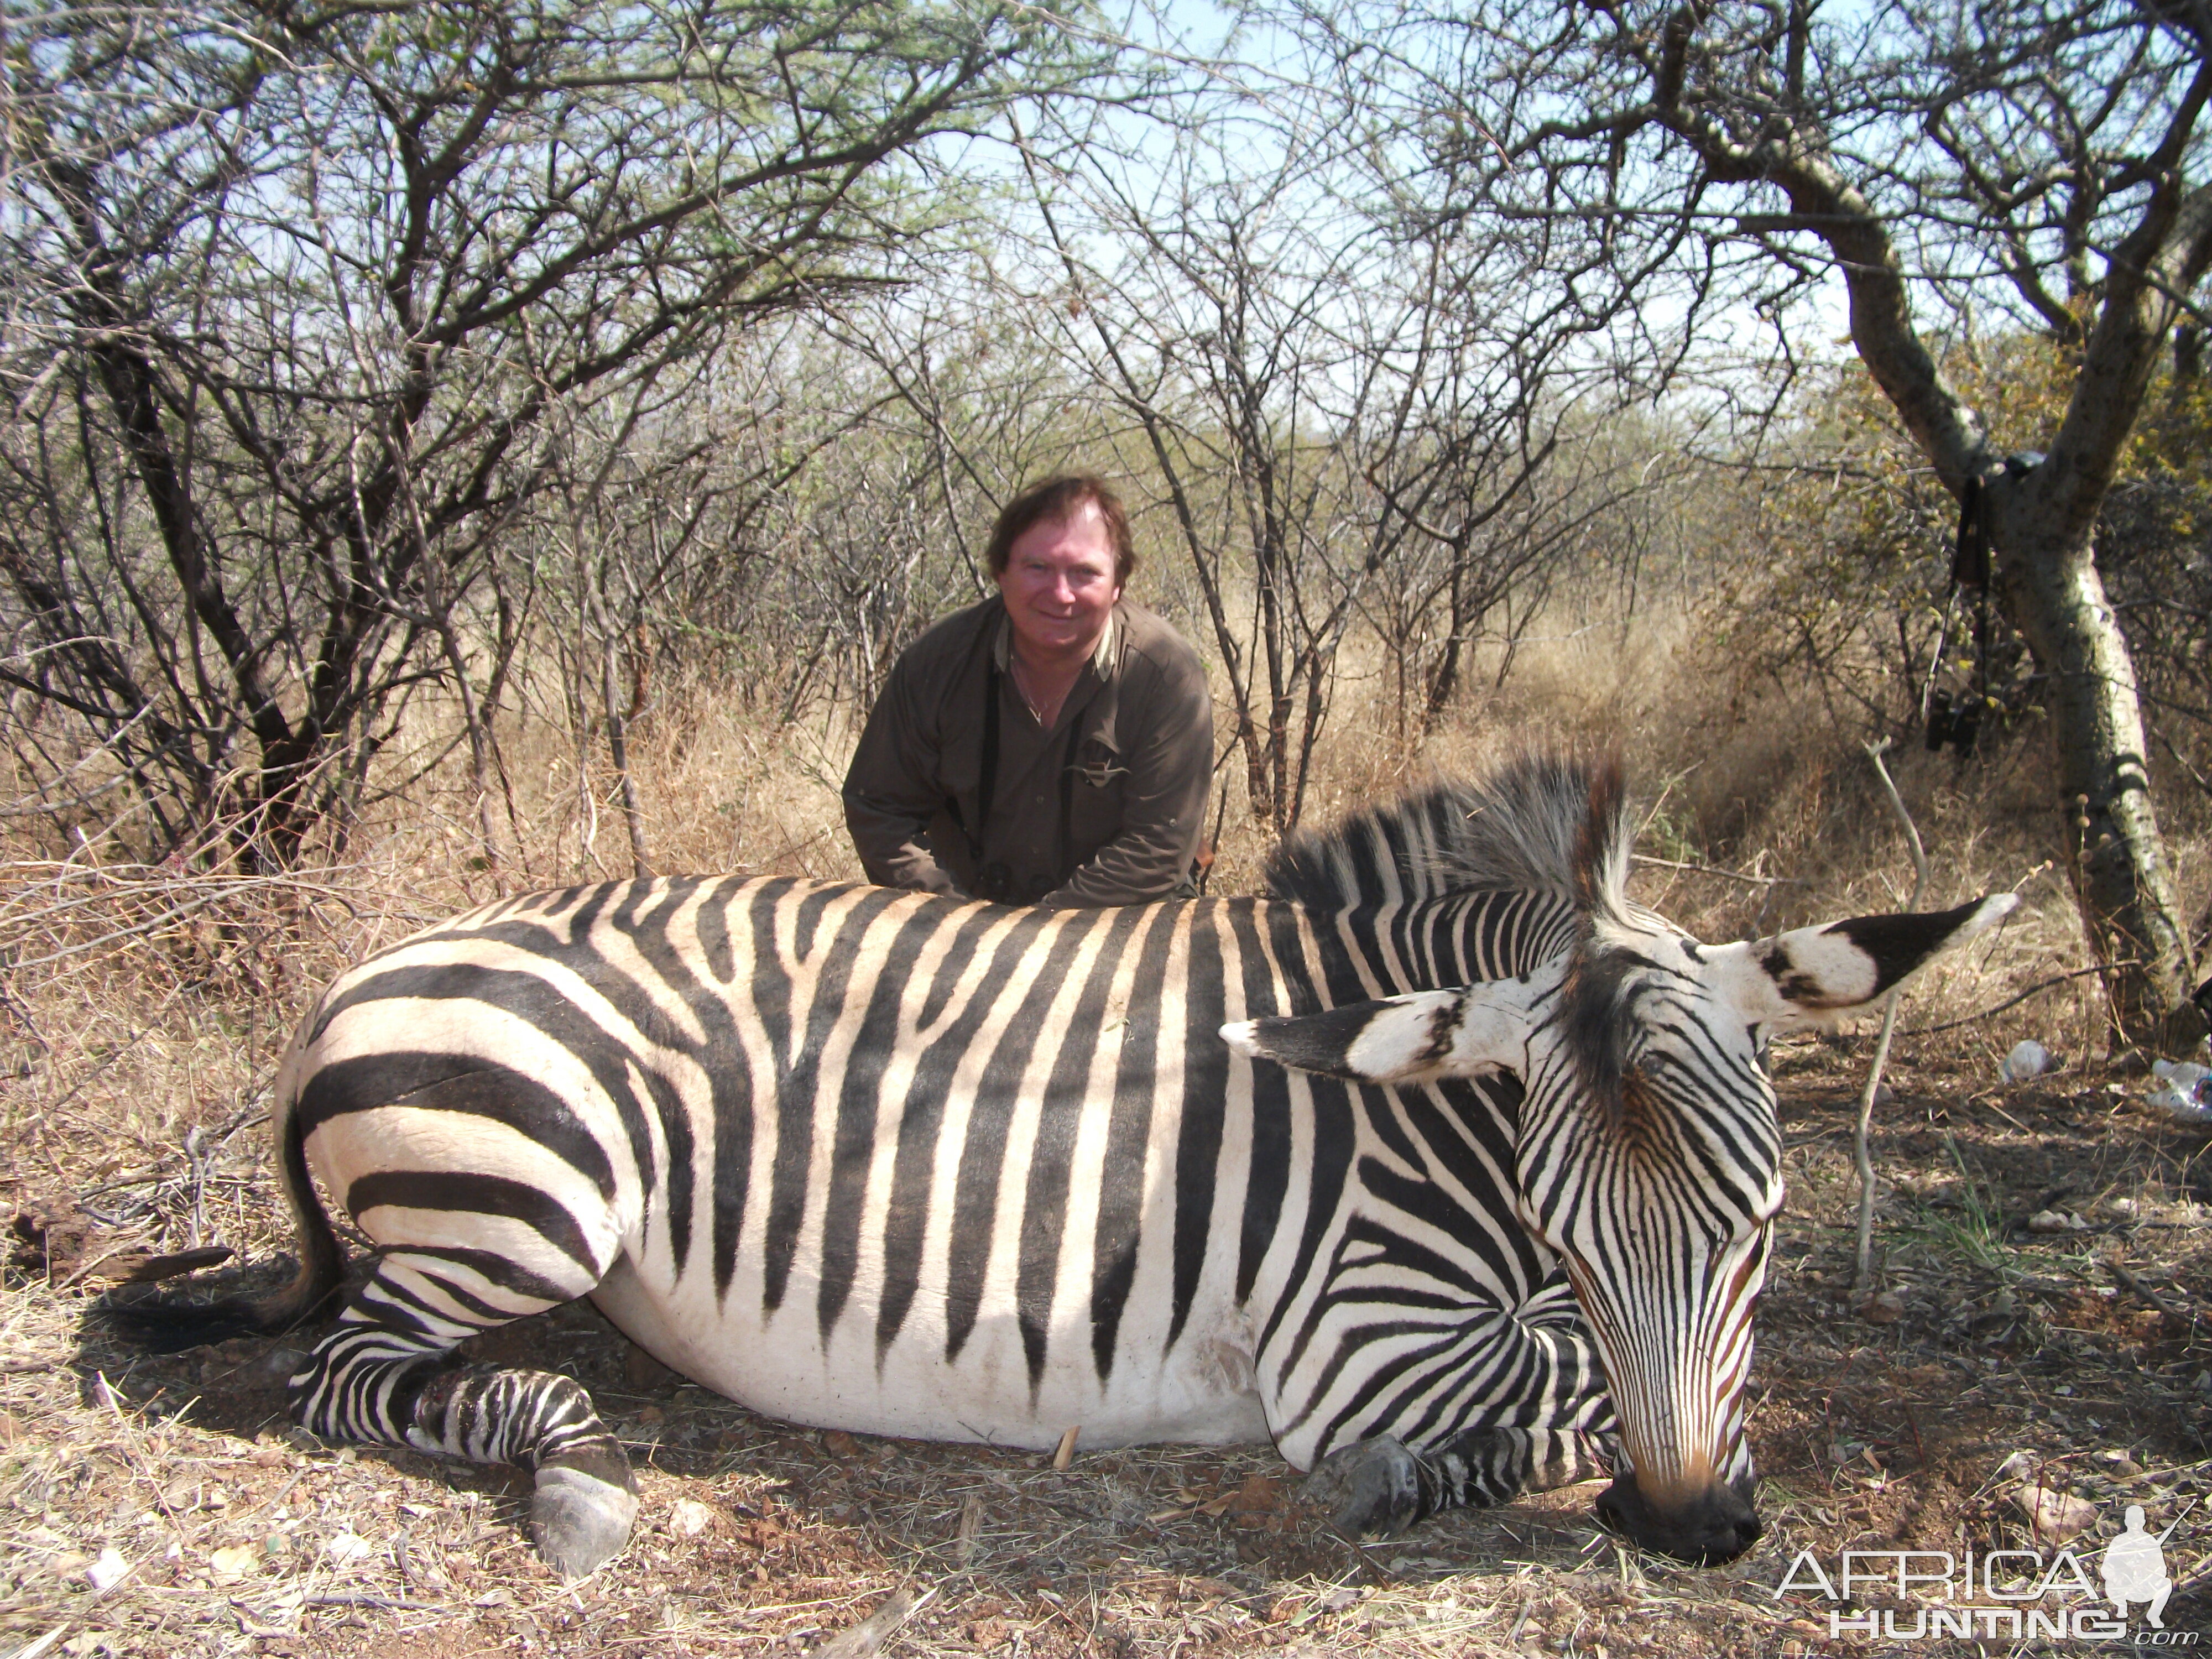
(1445, 1166)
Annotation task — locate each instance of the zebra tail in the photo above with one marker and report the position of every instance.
(168, 1325)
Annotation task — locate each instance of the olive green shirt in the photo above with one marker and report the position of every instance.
(1105, 808)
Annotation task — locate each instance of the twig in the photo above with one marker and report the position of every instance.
(2040, 985)
(2120, 1272)
(121, 1050)
(1862, 1157)
(1913, 1423)
(1725, 875)
(2006, 1116)
(865, 1637)
(2194, 776)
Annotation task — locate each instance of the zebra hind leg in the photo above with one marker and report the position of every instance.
(383, 1375)
(1381, 1486)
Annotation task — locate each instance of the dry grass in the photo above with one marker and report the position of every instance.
(136, 1071)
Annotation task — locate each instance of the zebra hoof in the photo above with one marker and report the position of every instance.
(1368, 1486)
(581, 1518)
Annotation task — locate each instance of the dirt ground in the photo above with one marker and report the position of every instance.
(163, 1506)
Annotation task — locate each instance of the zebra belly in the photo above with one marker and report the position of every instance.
(1200, 1390)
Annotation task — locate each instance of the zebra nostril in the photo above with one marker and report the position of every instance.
(1616, 1508)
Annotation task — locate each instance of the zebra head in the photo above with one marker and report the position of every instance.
(1648, 1153)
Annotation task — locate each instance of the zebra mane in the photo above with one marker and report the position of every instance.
(1544, 822)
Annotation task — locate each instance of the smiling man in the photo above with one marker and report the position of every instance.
(1051, 745)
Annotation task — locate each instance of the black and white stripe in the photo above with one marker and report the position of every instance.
(886, 1161)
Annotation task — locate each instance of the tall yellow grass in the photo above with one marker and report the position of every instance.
(141, 1004)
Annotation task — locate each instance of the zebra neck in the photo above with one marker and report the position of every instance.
(1463, 938)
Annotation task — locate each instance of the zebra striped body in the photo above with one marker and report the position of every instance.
(1391, 1167)
(1016, 1183)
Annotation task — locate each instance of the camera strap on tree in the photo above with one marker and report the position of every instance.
(1956, 721)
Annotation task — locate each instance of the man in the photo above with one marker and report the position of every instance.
(1051, 745)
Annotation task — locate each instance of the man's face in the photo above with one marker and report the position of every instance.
(1059, 585)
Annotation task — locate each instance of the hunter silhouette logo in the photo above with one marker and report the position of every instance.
(2135, 1568)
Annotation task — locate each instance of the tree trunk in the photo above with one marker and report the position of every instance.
(641, 863)
(2043, 524)
(2114, 856)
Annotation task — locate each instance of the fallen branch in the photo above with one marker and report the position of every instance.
(1862, 1157)
(1725, 875)
(138, 1268)
(2121, 1272)
(865, 1637)
(2040, 985)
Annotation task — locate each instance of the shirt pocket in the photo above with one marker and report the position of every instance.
(1097, 796)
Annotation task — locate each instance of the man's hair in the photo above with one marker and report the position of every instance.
(1055, 501)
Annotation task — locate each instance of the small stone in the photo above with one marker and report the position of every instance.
(2047, 1221)
(2017, 1467)
(106, 1573)
(234, 1562)
(689, 1517)
(346, 1549)
(2056, 1515)
(275, 1367)
(1886, 1308)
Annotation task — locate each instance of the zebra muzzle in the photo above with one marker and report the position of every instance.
(1712, 1525)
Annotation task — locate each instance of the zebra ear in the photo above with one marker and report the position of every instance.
(1403, 1039)
(1797, 977)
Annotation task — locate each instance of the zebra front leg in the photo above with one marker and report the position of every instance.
(383, 1375)
(1381, 1486)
